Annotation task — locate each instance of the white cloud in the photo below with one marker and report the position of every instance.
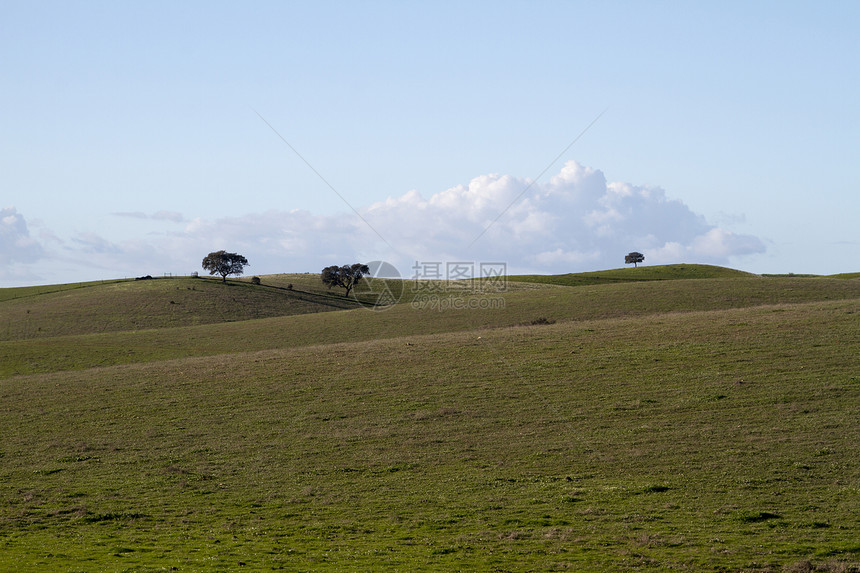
(576, 221)
(16, 244)
(18, 250)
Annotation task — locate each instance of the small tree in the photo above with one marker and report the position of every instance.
(346, 276)
(224, 264)
(634, 258)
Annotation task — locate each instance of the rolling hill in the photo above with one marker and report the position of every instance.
(145, 304)
(651, 273)
(639, 425)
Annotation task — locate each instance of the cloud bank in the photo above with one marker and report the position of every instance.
(17, 248)
(576, 221)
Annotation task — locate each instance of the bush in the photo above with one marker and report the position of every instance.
(255, 280)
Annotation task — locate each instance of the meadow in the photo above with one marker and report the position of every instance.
(661, 418)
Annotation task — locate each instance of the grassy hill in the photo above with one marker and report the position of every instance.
(123, 305)
(157, 303)
(426, 313)
(632, 274)
(699, 425)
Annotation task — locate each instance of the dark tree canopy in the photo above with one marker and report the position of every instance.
(346, 276)
(634, 258)
(224, 264)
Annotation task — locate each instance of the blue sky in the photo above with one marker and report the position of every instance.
(131, 138)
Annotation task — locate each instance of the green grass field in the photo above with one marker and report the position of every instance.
(624, 275)
(705, 420)
(40, 312)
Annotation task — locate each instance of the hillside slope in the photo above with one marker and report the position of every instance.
(157, 303)
(127, 305)
(633, 274)
(718, 439)
(430, 313)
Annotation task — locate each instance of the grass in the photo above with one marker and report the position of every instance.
(29, 356)
(33, 291)
(40, 312)
(704, 425)
(124, 305)
(652, 273)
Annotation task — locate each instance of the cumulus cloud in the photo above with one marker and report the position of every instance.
(16, 244)
(18, 250)
(575, 221)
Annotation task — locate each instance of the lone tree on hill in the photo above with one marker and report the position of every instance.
(634, 258)
(224, 264)
(346, 276)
